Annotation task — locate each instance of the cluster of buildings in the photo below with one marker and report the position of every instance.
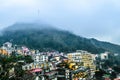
(79, 65)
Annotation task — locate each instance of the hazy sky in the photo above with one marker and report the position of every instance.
(99, 19)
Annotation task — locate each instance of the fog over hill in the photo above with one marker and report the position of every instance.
(26, 26)
(41, 36)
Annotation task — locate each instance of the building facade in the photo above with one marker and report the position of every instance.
(83, 58)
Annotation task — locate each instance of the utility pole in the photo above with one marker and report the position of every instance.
(38, 13)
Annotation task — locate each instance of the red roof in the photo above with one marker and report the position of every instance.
(36, 70)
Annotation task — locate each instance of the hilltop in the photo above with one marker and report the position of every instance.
(37, 36)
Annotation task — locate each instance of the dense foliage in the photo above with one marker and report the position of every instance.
(52, 39)
(9, 62)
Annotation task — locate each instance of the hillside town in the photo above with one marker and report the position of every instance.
(21, 63)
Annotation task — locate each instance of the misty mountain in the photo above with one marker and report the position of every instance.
(42, 37)
(28, 26)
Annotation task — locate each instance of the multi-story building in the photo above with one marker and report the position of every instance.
(7, 44)
(47, 70)
(40, 57)
(3, 52)
(32, 66)
(75, 57)
(64, 74)
(82, 58)
(104, 55)
(88, 60)
(6, 49)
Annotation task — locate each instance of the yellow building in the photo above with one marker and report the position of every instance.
(82, 58)
(88, 60)
(3, 52)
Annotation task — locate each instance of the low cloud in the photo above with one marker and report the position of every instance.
(88, 18)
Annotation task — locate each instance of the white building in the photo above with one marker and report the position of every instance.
(76, 57)
(8, 47)
(104, 55)
(32, 66)
(40, 58)
(7, 44)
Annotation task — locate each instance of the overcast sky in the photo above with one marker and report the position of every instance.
(99, 19)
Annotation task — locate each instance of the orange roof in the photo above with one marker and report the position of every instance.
(4, 52)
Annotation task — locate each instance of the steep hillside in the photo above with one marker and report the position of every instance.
(44, 37)
(106, 45)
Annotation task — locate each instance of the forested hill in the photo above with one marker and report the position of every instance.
(42, 37)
